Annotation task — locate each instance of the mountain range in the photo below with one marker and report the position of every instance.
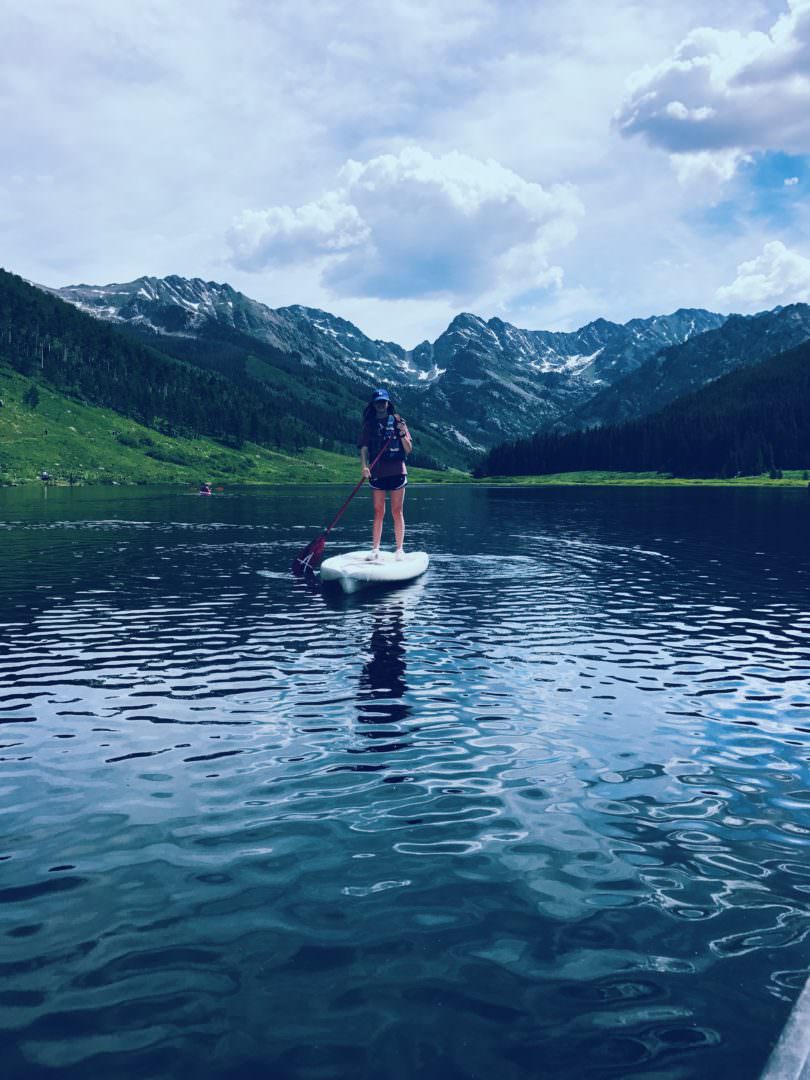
(752, 420)
(741, 341)
(479, 384)
(501, 382)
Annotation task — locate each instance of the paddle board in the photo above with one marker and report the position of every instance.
(354, 570)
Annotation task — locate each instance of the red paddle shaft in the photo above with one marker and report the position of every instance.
(311, 556)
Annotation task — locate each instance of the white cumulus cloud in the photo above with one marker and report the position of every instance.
(282, 235)
(777, 276)
(415, 225)
(724, 94)
(707, 166)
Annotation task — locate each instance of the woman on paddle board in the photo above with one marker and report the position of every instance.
(381, 426)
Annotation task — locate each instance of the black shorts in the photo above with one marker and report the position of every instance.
(388, 483)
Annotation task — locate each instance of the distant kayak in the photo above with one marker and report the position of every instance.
(354, 570)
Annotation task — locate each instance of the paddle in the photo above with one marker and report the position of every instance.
(307, 561)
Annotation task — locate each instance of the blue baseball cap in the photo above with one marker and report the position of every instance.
(381, 395)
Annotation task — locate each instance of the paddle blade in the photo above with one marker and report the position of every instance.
(308, 561)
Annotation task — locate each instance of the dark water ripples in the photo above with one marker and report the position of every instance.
(543, 813)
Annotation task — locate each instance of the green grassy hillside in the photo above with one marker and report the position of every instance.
(95, 445)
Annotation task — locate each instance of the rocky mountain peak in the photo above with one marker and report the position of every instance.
(702, 353)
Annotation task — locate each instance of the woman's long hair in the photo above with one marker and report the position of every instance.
(370, 413)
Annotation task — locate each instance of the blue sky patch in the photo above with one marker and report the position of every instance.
(767, 190)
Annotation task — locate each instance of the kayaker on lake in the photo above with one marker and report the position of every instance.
(381, 425)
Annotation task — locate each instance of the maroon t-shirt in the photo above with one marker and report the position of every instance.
(373, 436)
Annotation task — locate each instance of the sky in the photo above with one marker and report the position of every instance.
(397, 163)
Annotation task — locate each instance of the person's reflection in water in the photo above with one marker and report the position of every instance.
(382, 683)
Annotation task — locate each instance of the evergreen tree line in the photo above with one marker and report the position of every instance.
(753, 420)
(327, 408)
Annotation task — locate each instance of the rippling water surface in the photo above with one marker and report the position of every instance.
(545, 813)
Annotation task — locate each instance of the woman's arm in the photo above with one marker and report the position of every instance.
(404, 435)
(362, 443)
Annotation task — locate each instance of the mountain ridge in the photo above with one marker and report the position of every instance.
(677, 370)
(480, 382)
(753, 419)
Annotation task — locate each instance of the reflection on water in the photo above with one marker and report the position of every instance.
(382, 679)
(543, 813)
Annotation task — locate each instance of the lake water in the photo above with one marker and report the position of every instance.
(544, 813)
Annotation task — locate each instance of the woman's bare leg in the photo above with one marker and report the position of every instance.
(397, 499)
(379, 514)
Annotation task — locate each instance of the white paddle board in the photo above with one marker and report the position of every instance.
(354, 570)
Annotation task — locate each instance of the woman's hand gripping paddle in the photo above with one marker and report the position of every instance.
(308, 560)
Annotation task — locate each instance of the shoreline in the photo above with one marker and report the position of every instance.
(795, 480)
